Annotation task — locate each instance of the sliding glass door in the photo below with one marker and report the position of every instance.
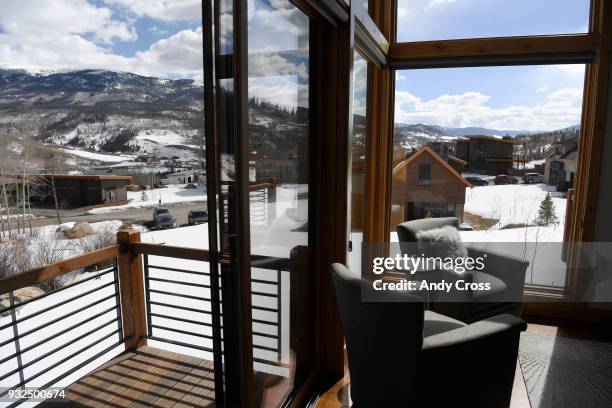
(261, 155)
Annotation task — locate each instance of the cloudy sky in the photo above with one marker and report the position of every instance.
(508, 98)
(149, 37)
(163, 38)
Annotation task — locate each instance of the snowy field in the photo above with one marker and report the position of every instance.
(513, 203)
(101, 157)
(172, 194)
(517, 205)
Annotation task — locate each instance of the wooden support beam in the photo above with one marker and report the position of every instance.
(131, 282)
(495, 51)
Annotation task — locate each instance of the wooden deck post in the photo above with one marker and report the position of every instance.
(131, 281)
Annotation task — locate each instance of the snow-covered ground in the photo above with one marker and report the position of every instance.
(512, 203)
(533, 163)
(172, 194)
(101, 157)
(162, 137)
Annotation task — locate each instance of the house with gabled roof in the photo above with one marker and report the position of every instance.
(561, 164)
(426, 185)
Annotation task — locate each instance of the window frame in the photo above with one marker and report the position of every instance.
(424, 175)
(590, 48)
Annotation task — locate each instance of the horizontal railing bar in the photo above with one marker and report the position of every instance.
(170, 251)
(264, 322)
(57, 319)
(189, 309)
(44, 295)
(180, 319)
(74, 326)
(273, 349)
(196, 285)
(55, 350)
(73, 355)
(167, 268)
(180, 343)
(56, 269)
(164, 292)
(265, 282)
(270, 336)
(274, 295)
(39, 312)
(266, 309)
(267, 362)
(156, 326)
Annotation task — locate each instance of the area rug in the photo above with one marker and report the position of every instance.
(566, 373)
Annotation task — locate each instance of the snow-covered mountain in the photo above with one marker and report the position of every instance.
(103, 111)
(98, 117)
(415, 136)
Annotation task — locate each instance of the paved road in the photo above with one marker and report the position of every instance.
(134, 215)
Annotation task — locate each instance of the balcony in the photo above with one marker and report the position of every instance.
(140, 324)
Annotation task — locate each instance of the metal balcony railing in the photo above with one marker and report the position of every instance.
(139, 294)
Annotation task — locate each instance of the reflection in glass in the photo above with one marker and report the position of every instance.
(358, 157)
(278, 89)
(423, 20)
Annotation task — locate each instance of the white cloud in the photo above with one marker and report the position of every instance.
(559, 109)
(75, 34)
(177, 56)
(399, 77)
(44, 19)
(166, 10)
(436, 3)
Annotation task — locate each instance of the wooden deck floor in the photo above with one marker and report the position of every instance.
(148, 377)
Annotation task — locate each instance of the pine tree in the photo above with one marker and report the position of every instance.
(546, 212)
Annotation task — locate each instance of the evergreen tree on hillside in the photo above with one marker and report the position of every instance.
(546, 212)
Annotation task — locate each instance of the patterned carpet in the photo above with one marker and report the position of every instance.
(566, 373)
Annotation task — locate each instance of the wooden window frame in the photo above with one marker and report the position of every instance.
(591, 48)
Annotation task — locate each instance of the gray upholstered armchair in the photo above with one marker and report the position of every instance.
(505, 274)
(401, 355)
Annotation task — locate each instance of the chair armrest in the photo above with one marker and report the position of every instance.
(473, 365)
(510, 269)
(481, 331)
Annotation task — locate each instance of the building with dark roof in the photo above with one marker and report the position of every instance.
(488, 154)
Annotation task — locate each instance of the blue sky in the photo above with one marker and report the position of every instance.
(508, 98)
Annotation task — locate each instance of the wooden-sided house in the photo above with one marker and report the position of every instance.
(425, 185)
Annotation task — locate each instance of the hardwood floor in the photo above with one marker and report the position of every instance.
(338, 395)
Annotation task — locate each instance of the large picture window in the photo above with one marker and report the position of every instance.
(505, 143)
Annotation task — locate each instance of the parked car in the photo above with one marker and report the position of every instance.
(197, 217)
(533, 178)
(165, 221)
(477, 181)
(505, 179)
(157, 211)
